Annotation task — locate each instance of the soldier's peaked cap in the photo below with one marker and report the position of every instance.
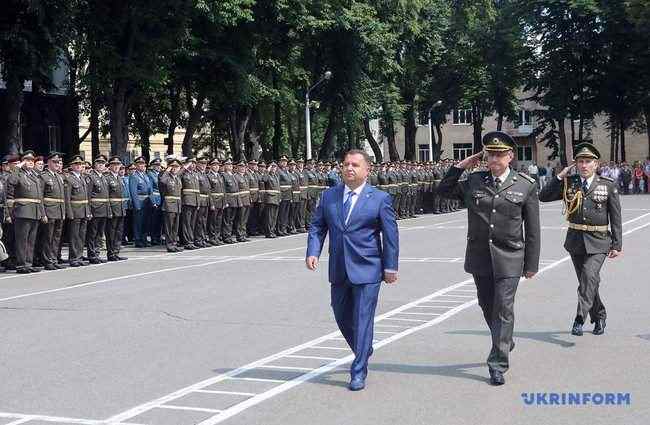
(498, 141)
(76, 159)
(115, 160)
(586, 150)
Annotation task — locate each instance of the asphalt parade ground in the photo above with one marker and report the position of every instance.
(244, 335)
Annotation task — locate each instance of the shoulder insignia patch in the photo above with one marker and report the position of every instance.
(527, 177)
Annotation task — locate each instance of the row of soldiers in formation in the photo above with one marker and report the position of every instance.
(191, 203)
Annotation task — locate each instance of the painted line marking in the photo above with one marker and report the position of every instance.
(329, 348)
(225, 392)
(295, 356)
(422, 314)
(391, 326)
(431, 306)
(268, 366)
(385, 332)
(194, 409)
(20, 421)
(277, 381)
(22, 418)
(404, 320)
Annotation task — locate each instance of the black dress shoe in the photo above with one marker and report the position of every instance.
(75, 264)
(190, 247)
(576, 329)
(357, 383)
(496, 378)
(113, 258)
(599, 327)
(34, 269)
(23, 270)
(50, 267)
(512, 346)
(95, 261)
(60, 266)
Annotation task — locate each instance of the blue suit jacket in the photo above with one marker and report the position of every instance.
(139, 187)
(366, 246)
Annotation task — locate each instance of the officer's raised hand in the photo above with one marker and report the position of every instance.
(471, 161)
(562, 174)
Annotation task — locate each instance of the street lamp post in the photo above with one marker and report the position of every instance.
(435, 105)
(326, 76)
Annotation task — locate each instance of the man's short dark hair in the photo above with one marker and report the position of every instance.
(363, 153)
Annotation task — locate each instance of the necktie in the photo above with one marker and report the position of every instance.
(347, 205)
(497, 183)
(584, 186)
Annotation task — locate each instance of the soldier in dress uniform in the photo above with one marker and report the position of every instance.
(253, 177)
(154, 212)
(116, 201)
(77, 210)
(190, 203)
(311, 178)
(217, 194)
(140, 189)
(262, 172)
(243, 211)
(99, 208)
(286, 197)
(232, 202)
(54, 207)
(595, 232)
(501, 204)
(127, 233)
(9, 167)
(201, 231)
(272, 198)
(171, 192)
(301, 201)
(25, 210)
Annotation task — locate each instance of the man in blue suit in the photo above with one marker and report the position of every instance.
(140, 189)
(355, 214)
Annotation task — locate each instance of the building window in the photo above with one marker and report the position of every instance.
(54, 137)
(524, 153)
(462, 150)
(524, 117)
(462, 116)
(423, 153)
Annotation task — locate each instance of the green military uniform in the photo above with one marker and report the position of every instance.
(595, 229)
(99, 208)
(49, 237)
(217, 194)
(272, 198)
(190, 198)
(253, 225)
(171, 193)
(313, 192)
(77, 212)
(244, 194)
(201, 229)
(25, 207)
(286, 197)
(118, 205)
(232, 204)
(503, 242)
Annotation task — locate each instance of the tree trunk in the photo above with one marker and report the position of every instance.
(293, 145)
(376, 150)
(195, 116)
(73, 105)
(144, 134)
(573, 132)
(410, 130)
(327, 147)
(174, 115)
(238, 124)
(646, 113)
(14, 105)
(438, 147)
(277, 130)
(350, 136)
(118, 124)
(477, 127)
(94, 121)
(623, 141)
(499, 121)
(563, 143)
(612, 141)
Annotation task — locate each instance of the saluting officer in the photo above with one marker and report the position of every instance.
(99, 208)
(284, 210)
(115, 223)
(501, 204)
(201, 232)
(25, 210)
(54, 207)
(593, 210)
(253, 177)
(271, 200)
(244, 194)
(171, 188)
(77, 210)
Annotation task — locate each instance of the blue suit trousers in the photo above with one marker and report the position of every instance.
(354, 310)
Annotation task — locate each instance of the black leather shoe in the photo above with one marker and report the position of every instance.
(190, 247)
(75, 264)
(23, 270)
(577, 329)
(113, 258)
(357, 384)
(34, 269)
(496, 378)
(512, 346)
(50, 267)
(60, 266)
(95, 261)
(599, 327)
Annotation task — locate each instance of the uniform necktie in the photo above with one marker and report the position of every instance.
(497, 183)
(347, 205)
(585, 187)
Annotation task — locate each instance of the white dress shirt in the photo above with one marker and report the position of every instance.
(354, 199)
(503, 176)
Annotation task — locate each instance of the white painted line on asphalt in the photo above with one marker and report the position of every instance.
(295, 356)
(57, 419)
(385, 332)
(431, 306)
(421, 314)
(190, 408)
(232, 378)
(20, 421)
(405, 320)
(324, 347)
(226, 392)
(381, 325)
(131, 276)
(268, 366)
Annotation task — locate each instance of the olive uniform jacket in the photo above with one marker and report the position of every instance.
(600, 207)
(25, 195)
(170, 187)
(76, 197)
(503, 235)
(53, 195)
